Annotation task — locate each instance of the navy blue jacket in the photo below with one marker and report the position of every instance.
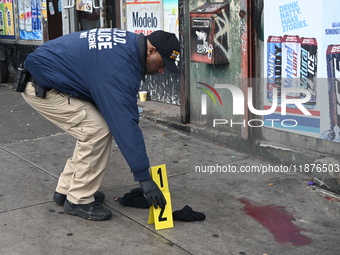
(104, 66)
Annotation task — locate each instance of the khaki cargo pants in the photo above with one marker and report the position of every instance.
(83, 173)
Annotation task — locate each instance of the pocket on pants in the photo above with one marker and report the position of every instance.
(70, 114)
(74, 119)
(74, 126)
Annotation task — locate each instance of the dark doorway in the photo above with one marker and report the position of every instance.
(54, 20)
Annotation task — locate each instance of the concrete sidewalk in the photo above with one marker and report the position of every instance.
(246, 213)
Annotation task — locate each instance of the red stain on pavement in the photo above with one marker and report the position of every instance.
(278, 222)
(332, 199)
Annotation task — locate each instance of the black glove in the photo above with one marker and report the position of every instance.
(153, 193)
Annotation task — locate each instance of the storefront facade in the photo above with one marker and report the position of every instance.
(26, 24)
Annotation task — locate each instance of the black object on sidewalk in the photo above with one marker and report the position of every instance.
(187, 214)
(135, 198)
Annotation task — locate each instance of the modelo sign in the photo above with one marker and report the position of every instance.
(144, 17)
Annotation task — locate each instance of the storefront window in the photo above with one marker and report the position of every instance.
(88, 14)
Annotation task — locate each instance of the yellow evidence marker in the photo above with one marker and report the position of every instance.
(162, 218)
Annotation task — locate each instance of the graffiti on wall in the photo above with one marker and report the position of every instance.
(223, 32)
(244, 38)
(205, 47)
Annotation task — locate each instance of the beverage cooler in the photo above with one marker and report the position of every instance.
(23, 27)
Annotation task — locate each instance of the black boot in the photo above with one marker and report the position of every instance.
(92, 211)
